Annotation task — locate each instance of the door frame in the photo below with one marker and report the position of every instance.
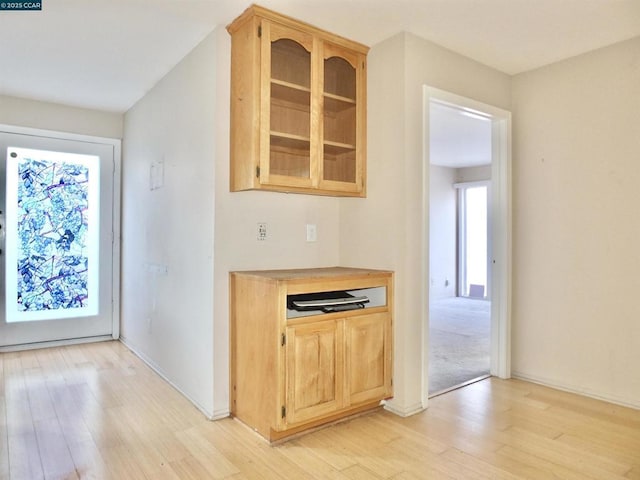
(500, 249)
(116, 144)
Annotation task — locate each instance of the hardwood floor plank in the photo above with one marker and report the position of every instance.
(54, 453)
(345, 438)
(313, 466)
(562, 454)
(319, 450)
(633, 474)
(121, 463)
(409, 437)
(95, 411)
(250, 453)
(417, 461)
(598, 446)
(478, 465)
(4, 437)
(42, 407)
(24, 456)
(215, 464)
(518, 468)
(357, 472)
(28, 360)
(189, 468)
(539, 466)
(454, 431)
(87, 459)
(417, 476)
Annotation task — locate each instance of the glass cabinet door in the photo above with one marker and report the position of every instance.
(340, 144)
(287, 144)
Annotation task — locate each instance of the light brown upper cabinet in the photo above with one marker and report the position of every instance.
(298, 107)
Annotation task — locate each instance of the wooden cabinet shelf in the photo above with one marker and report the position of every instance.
(293, 370)
(280, 139)
(334, 103)
(290, 80)
(335, 148)
(290, 96)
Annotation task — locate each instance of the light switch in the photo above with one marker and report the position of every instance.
(156, 175)
(312, 232)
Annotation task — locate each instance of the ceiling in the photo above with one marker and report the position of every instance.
(458, 138)
(106, 54)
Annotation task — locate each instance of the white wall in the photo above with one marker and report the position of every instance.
(167, 317)
(442, 232)
(184, 121)
(388, 229)
(576, 224)
(473, 174)
(59, 118)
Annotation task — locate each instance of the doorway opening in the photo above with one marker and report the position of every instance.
(469, 255)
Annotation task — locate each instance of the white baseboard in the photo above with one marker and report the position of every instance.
(215, 415)
(55, 343)
(220, 414)
(547, 382)
(402, 411)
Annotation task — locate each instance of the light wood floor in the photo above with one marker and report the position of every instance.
(96, 411)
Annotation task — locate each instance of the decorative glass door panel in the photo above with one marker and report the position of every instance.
(340, 112)
(57, 199)
(290, 107)
(51, 235)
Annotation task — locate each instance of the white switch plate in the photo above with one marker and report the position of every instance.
(312, 232)
(262, 231)
(156, 175)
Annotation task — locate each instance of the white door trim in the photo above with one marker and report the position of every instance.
(500, 244)
(117, 154)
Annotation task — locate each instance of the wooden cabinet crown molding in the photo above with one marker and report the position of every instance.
(258, 11)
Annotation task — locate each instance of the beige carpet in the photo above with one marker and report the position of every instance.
(459, 341)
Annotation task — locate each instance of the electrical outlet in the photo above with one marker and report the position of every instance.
(262, 231)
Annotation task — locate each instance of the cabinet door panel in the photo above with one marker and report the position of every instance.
(368, 362)
(343, 100)
(286, 120)
(314, 377)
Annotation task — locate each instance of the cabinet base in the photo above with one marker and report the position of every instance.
(276, 437)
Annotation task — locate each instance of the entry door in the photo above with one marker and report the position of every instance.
(56, 239)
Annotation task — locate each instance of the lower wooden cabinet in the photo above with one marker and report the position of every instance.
(291, 370)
